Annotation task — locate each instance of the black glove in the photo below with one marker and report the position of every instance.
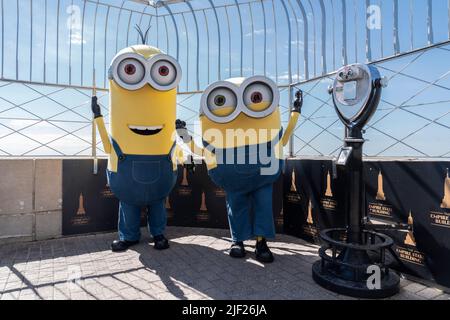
(182, 131)
(298, 103)
(96, 110)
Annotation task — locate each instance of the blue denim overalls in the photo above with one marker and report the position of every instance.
(249, 192)
(142, 181)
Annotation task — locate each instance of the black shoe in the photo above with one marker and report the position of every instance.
(263, 253)
(121, 246)
(161, 243)
(237, 250)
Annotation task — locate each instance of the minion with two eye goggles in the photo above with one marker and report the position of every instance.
(243, 147)
(142, 149)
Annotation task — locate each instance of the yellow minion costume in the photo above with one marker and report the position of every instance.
(244, 140)
(141, 146)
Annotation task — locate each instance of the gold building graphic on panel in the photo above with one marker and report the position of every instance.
(446, 200)
(294, 183)
(81, 210)
(380, 193)
(410, 239)
(185, 182)
(203, 207)
(329, 192)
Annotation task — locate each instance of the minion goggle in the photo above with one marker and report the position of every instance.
(223, 101)
(132, 71)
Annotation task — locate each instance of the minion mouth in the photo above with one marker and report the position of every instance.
(146, 131)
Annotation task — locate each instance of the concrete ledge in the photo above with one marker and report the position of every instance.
(48, 225)
(16, 186)
(16, 227)
(30, 199)
(48, 192)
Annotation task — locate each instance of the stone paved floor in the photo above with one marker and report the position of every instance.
(196, 267)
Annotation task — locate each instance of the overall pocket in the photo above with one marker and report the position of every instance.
(146, 172)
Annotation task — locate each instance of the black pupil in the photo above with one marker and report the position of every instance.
(257, 97)
(130, 69)
(220, 101)
(164, 71)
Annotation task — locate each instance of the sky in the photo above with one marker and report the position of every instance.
(54, 44)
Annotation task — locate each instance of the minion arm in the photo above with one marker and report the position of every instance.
(100, 122)
(103, 134)
(295, 115)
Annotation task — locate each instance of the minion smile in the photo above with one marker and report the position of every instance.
(146, 131)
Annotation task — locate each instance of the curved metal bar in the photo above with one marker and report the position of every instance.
(198, 43)
(314, 37)
(324, 37)
(298, 39)
(167, 35)
(70, 45)
(128, 29)
(105, 66)
(305, 38)
(177, 36)
(82, 43)
(229, 42)
(218, 38)
(17, 39)
(31, 40)
(344, 33)
(265, 38)
(242, 35)
(368, 35)
(187, 51)
(118, 25)
(276, 40)
(94, 43)
(395, 29)
(334, 33)
(253, 37)
(57, 42)
(430, 22)
(208, 42)
(289, 39)
(3, 37)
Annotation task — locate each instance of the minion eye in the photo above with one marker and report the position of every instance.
(222, 102)
(164, 73)
(131, 71)
(258, 96)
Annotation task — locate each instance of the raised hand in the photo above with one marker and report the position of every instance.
(96, 110)
(298, 103)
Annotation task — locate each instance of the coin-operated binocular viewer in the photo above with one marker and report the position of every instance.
(353, 259)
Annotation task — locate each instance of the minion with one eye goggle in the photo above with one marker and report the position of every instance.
(143, 154)
(247, 163)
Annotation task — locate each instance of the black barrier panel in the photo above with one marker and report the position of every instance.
(417, 193)
(312, 199)
(89, 205)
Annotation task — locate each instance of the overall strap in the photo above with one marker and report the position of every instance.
(209, 147)
(120, 154)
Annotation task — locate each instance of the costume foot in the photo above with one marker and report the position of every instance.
(263, 253)
(237, 250)
(161, 243)
(120, 246)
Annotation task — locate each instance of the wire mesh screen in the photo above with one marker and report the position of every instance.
(413, 119)
(51, 48)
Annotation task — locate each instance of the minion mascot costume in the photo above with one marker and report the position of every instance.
(142, 148)
(244, 140)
